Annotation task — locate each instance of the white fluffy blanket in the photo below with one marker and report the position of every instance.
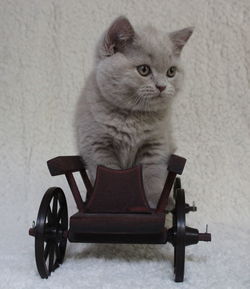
(45, 54)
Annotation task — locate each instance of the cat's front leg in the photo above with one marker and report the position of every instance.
(154, 177)
(154, 160)
(102, 153)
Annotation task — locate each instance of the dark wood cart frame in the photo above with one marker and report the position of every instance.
(115, 211)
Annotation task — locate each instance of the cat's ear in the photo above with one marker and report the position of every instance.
(180, 38)
(119, 34)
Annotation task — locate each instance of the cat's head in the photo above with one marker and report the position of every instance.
(139, 69)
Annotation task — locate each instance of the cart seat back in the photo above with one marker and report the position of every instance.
(118, 191)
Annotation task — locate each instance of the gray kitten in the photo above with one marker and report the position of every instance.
(123, 115)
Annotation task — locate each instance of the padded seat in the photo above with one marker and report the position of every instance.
(118, 191)
(114, 223)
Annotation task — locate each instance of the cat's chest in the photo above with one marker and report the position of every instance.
(127, 137)
(127, 132)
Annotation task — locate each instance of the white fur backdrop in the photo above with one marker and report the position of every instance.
(46, 50)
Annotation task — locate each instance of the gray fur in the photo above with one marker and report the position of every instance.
(122, 119)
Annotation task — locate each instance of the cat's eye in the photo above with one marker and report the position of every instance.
(171, 71)
(144, 70)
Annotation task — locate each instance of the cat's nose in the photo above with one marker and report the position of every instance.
(161, 88)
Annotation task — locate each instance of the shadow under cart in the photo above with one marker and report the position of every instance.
(115, 211)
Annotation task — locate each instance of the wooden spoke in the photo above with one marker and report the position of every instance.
(58, 253)
(54, 206)
(46, 250)
(51, 257)
(56, 265)
(49, 216)
(59, 215)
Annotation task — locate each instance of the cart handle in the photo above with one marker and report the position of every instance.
(176, 165)
(67, 165)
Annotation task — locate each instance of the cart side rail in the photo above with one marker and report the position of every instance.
(67, 165)
(176, 166)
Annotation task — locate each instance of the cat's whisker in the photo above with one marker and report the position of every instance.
(137, 99)
(147, 105)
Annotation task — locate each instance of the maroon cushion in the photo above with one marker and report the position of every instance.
(117, 223)
(118, 191)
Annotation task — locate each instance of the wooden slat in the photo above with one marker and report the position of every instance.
(163, 201)
(65, 164)
(75, 191)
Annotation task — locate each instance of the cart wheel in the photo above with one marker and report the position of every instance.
(179, 227)
(50, 231)
(177, 185)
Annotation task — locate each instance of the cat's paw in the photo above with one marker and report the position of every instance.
(112, 166)
(153, 201)
(171, 204)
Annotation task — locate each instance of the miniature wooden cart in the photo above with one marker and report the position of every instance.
(115, 211)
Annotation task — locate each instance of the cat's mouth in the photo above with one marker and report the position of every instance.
(160, 95)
